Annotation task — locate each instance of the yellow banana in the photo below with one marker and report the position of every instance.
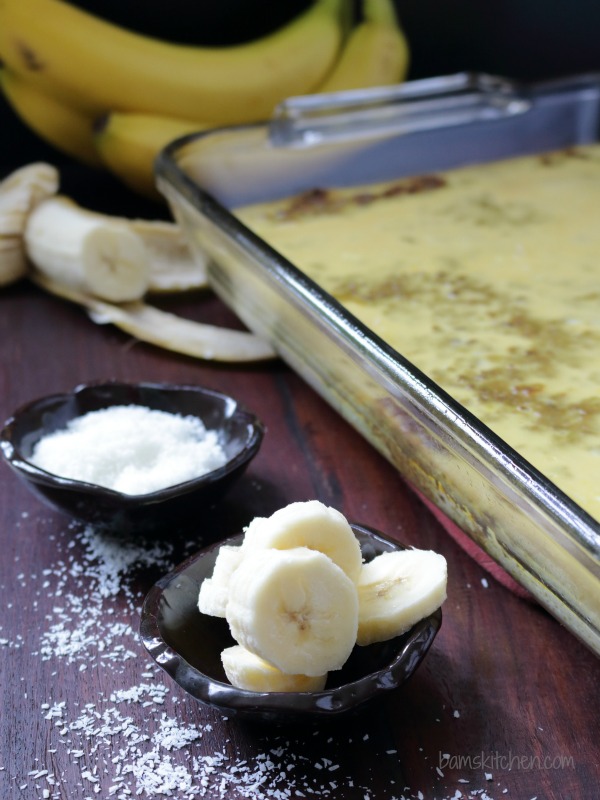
(376, 52)
(101, 67)
(66, 128)
(129, 143)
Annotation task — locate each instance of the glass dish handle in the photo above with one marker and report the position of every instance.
(404, 108)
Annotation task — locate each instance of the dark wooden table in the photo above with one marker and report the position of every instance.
(505, 704)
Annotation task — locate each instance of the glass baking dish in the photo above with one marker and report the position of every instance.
(532, 529)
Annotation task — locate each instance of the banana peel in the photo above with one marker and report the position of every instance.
(162, 329)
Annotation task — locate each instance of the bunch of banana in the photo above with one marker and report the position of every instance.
(297, 597)
(111, 97)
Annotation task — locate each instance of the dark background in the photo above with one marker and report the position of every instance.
(527, 40)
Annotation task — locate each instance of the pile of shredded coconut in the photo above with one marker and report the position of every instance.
(131, 449)
(147, 739)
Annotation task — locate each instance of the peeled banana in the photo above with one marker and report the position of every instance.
(112, 258)
(172, 268)
(86, 257)
(20, 193)
(100, 67)
(376, 52)
(88, 251)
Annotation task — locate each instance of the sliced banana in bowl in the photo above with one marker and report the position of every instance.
(199, 651)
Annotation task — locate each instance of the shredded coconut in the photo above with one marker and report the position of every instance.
(144, 738)
(131, 449)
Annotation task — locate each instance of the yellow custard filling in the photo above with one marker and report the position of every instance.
(487, 278)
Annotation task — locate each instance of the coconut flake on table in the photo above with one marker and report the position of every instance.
(144, 739)
(130, 449)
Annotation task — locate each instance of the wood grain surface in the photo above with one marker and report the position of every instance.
(505, 704)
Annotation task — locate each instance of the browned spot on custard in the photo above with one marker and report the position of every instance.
(324, 201)
(558, 156)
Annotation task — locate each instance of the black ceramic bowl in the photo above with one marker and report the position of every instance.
(188, 644)
(240, 434)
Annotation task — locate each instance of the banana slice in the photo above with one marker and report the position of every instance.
(160, 328)
(293, 608)
(214, 591)
(310, 524)
(247, 671)
(396, 590)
